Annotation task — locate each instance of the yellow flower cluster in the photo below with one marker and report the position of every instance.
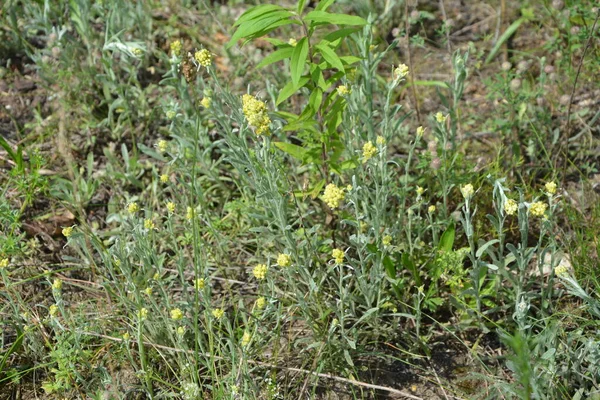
(338, 255)
(255, 112)
(401, 71)
(420, 131)
(284, 260)
(343, 90)
(380, 140)
(4, 263)
(431, 209)
(181, 330)
(467, 191)
(218, 313)
(176, 48)
(246, 338)
(162, 145)
(57, 284)
(386, 240)
(203, 57)
(171, 207)
(206, 102)
(164, 178)
(261, 302)
(149, 224)
(133, 207)
(199, 284)
(260, 271)
(176, 314)
(68, 231)
(292, 42)
(189, 213)
(369, 150)
(538, 209)
(561, 271)
(333, 196)
(53, 310)
(420, 191)
(440, 118)
(148, 291)
(142, 314)
(510, 207)
(550, 187)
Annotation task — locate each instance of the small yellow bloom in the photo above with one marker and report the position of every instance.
(156, 276)
(148, 291)
(68, 231)
(338, 255)
(57, 284)
(142, 314)
(176, 314)
(180, 330)
(218, 313)
(349, 188)
(162, 145)
(380, 140)
(510, 207)
(260, 271)
(206, 102)
(203, 57)
(133, 207)
(386, 240)
(246, 338)
(440, 118)
(550, 187)
(467, 191)
(189, 213)
(4, 263)
(176, 48)
(171, 207)
(199, 284)
(561, 271)
(117, 263)
(538, 209)
(260, 303)
(255, 112)
(149, 224)
(401, 71)
(164, 178)
(292, 42)
(333, 196)
(431, 209)
(369, 150)
(343, 90)
(284, 260)
(420, 131)
(53, 310)
(420, 191)
(126, 336)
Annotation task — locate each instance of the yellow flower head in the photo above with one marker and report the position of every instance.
(420, 191)
(401, 71)
(176, 314)
(440, 118)
(148, 291)
(180, 330)
(431, 209)
(162, 145)
(550, 187)
(380, 140)
(349, 188)
(260, 271)
(369, 150)
(149, 224)
(164, 178)
(203, 57)
(206, 102)
(292, 42)
(57, 284)
(538, 209)
(246, 338)
(171, 207)
(510, 207)
(170, 114)
(156, 276)
(218, 313)
(333, 196)
(284, 260)
(68, 231)
(260, 303)
(386, 240)
(561, 271)
(126, 336)
(255, 112)
(133, 207)
(176, 48)
(338, 255)
(4, 263)
(53, 310)
(420, 131)
(142, 314)
(199, 284)
(467, 191)
(189, 213)
(343, 90)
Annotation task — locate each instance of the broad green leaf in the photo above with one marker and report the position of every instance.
(293, 150)
(258, 11)
(340, 33)
(447, 239)
(324, 4)
(484, 247)
(348, 164)
(261, 24)
(316, 98)
(330, 56)
(350, 59)
(314, 193)
(277, 55)
(503, 38)
(301, 5)
(337, 19)
(299, 60)
(289, 89)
